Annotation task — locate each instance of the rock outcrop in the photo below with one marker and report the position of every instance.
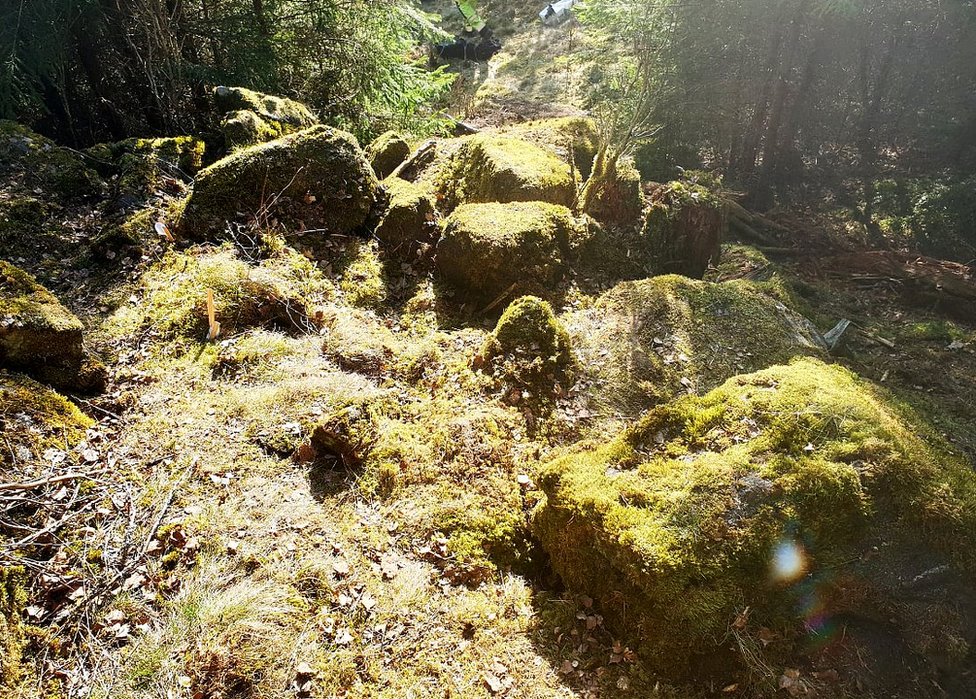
(386, 153)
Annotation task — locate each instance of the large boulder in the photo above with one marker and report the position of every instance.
(778, 505)
(574, 140)
(684, 227)
(647, 341)
(312, 179)
(36, 162)
(492, 168)
(40, 336)
(387, 152)
(410, 219)
(486, 248)
(251, 117)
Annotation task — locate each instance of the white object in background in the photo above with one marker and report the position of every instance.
(555, 13)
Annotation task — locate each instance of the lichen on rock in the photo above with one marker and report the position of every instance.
(40, 336)
(492, 168)
(313, 179)
(387, 152)
(753, 497)
(486, 248)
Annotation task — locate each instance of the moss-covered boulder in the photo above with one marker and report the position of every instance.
(778, 500)
(387, 152)
(38, 163)
(647, 341)
(617, 200)
(313, 179)
(13, 597)
(486, 248)
(410, 219)
(574, 140)
(33, 419)
(684, 227)
(492, 168)
(529, 348)
(288, 114)
(144, 162)
(244, 128)
(40, 336)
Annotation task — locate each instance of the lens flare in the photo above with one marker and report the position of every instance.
(789, 561)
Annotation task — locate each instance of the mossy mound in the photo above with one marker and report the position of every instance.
(13, 597)
(618, 200)
(37, 163)
(574, 139)
(491, 168)
(647, 341)
(313, 179)
(126, 238)
(530, 348)
(288, 114)
(346, 437)
(387, 152)
(357, 341)
(33, 419)
(409, 220)
(274, 294)
(244, 128)
(40, 336)
(763, 495)
(21, 219)
(685, 226)
(486, 248)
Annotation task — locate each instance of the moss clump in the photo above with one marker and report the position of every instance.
(386, 153)
(486, 248)
(275, 294)
(129, 236)
(357, 341)
(317, 178)
(489, 168)
(648, 341)
(529, 348)
(244, 128)
(33, 419)
(144, 162)
(247, 355)
(410, 218)
(685, 226)
(573, 139)
(43, 164)
(347, 435)
(678, 524)
(13, 597)
(21, 218)
(288, 114)
(40, 336)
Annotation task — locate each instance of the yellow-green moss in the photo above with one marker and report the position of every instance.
(244, 128)
(486, 248)
(44, 164)
(357, 341)
(33, 419)
(387, 152)
(490, 168)
(252, 354)
(20, 219)
(650, 340)
(317, 178)
(12, 600)
(132, 233)
(291, 115)
(618, 200)
(675, 525)
(143, 162)
(362, 283)
(409, 220)
(685, 226)
(529, 348)
(274, 294)
(574, 139)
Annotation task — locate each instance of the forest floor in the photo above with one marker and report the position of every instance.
(206, 561)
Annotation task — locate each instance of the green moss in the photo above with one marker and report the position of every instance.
(132, 234)
(573, 139)
(291, 115)
(317, 178)
(34, 418)
(685, 226)
(247, 355)
(648, 341)
(13, 597)
(489, 168)
(357, 341)
(348, 434)
(619, 200)
(20, 219)
(273, 294)
(529, 348)
(144, 162)
(244, 128)
(933, 331)
(486, 248)
(43, 164)
(386, 153)
(409, 221)
(675, 525)
(362, 283)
